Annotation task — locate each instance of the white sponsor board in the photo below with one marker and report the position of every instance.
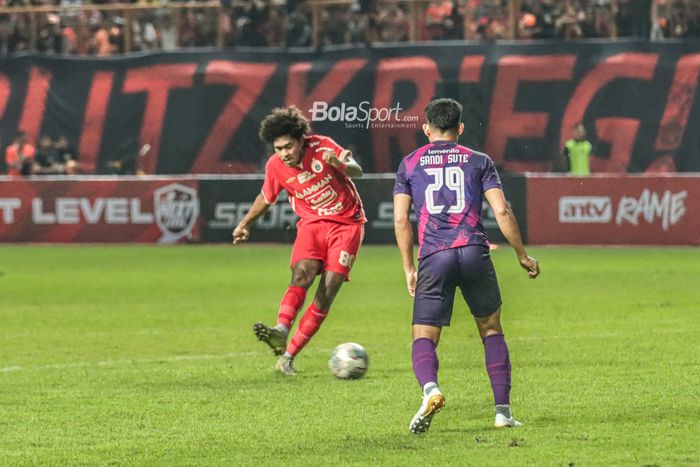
(667, 208)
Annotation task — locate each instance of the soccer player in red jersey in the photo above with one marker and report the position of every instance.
(316, 174)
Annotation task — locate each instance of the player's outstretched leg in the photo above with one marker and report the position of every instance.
(309, 324)
(498, 368)
(275, 337)
(303, 273)
(425, 367)
(291, 303)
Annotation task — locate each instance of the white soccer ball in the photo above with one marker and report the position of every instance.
(349, 361)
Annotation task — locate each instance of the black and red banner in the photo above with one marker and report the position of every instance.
(225, 200)
(125, 210)
(198, 112)
(602, 209)
(180, 209)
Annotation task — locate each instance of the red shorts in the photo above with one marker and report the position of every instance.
(335, 244)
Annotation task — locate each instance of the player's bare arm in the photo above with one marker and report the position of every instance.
(509, 227)
(404, 239)
(343, 161)
(242, 231)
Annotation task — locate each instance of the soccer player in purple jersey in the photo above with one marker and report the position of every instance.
(446, 184)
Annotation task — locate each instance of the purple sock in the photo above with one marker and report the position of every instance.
(498, 367)
(425, 361)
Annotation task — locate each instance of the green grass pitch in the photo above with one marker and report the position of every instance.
(144, 356)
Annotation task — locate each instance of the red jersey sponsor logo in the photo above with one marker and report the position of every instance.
(303, 177)
(323, 198)
(315, 187)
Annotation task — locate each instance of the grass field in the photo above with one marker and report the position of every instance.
(145, 356)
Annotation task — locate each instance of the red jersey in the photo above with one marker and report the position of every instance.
(317, 191)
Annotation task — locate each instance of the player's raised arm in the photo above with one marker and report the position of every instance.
(404, 238)
(343, 161)
(509, 227)
(242, 230)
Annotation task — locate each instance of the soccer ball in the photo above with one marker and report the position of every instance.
(349, 361)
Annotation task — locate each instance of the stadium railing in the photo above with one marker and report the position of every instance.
(509, 14)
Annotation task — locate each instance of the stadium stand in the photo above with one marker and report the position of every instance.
(107, 28)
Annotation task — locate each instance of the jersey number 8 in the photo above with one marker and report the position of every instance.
(346, 259)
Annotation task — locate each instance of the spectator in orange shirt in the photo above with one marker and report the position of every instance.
(437, 19)
(19, 156)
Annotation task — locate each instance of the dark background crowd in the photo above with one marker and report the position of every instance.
(48, 156)
(102, 28)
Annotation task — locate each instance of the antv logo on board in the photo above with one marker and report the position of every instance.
(585, 209)
(668, 208)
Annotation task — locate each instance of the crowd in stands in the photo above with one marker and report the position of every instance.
(290, 23)
(89, 33)
(47, 157)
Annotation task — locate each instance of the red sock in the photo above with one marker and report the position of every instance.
(309, 324)
(291, 303)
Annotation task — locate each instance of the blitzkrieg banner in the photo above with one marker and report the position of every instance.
(197, 112)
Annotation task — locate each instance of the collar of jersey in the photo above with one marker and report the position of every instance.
(304, 147)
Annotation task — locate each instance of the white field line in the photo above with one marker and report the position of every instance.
(103, 363)
(180, 358)
(134, 361)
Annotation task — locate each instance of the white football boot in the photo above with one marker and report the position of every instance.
(433, 402)
(504, 418)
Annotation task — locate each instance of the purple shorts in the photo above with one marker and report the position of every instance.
(469, 268)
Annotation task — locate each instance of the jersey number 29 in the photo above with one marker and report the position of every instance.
(453, 178)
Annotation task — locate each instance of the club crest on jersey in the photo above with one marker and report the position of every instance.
(316, 166)
(305, 176)
(176, 210)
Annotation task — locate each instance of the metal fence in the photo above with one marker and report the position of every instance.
(105, 29)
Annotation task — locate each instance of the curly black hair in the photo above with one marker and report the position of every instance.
(284, 121)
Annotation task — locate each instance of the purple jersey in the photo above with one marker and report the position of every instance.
(446, 182)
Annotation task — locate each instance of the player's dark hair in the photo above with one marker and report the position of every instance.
(284, 121)
(445, 114)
